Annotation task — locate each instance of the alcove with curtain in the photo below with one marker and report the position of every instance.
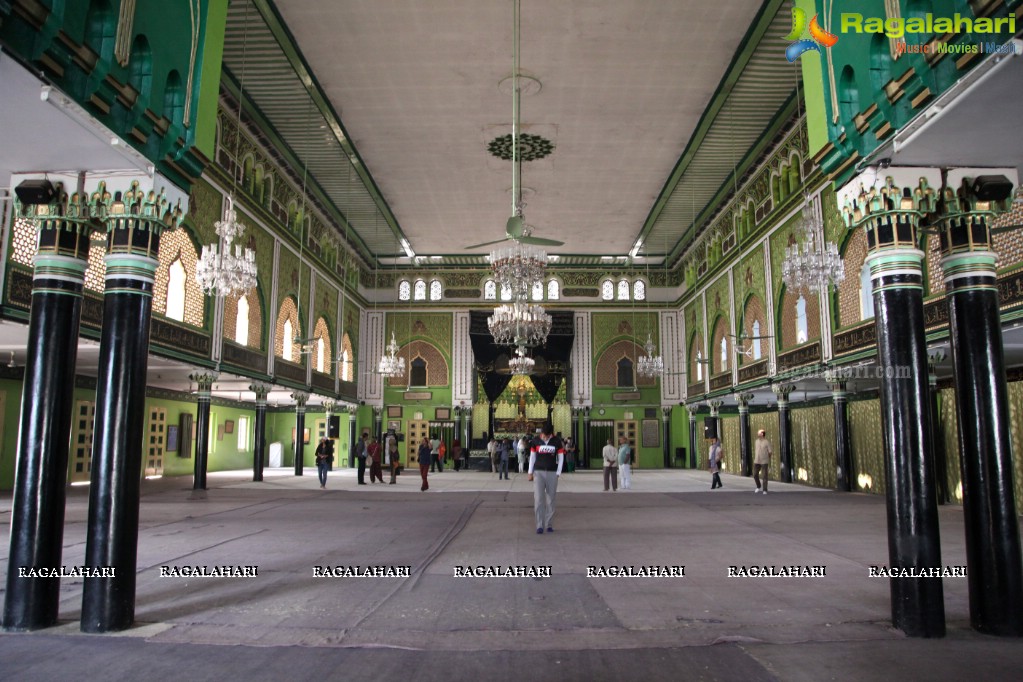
(552, 365)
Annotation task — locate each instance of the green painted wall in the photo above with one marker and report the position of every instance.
(211, 58)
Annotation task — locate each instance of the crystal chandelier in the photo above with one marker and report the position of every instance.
(520, 365)
(518, 267)
(650, 365)
(225, 273)
(391, 365)
(519, 323)
(815, 264)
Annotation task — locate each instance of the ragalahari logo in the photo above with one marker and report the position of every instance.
(818, 36)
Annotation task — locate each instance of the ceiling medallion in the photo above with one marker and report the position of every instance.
(531, 147)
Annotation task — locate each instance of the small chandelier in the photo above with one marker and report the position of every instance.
(391, 365)
(650, 365)
(521, 365)
(815, 264)
(518, 267)
(519, 323)
(227, 273)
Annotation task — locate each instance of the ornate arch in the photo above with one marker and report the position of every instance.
(287, 312)
(175, 244)
(606, 375)
(346, 368)
(322, 331)
(255, 301)
(720, 335)
(437, 373)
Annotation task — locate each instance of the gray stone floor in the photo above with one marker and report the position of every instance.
(288, 624)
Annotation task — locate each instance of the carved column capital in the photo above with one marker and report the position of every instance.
(300, 398)
(715, 405)
(261, 390)
(204, 381)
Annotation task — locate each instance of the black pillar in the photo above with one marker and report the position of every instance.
(843, 445)
(940, 458)
(47, 402)
(666, 424)
(993, 559)
(784, 432)
(300, 401)
(378, 423)
(259, 438)
(693, 460)
(745, 443)
(490, 420)
(133, 241)
(204, 381)
(586, 436)
(890, 214)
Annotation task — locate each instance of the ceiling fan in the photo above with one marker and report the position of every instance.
(516, 228)
(740, 342)
(305, 346)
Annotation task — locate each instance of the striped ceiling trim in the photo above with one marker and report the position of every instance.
(275, 81)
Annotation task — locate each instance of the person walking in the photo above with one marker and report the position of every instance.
(570, 463)
(456, 453)
(761, 460)
(521, 450)
(610, 466)
(391, 455)
(375, 455)
(424, 455)
(492, 453)
(503, 452)
(546, 459)
(625, 462)
(324, 458)
(360, 455)
(434, 453)
(714, 460)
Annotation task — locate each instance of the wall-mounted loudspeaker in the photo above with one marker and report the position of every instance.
(710, 427)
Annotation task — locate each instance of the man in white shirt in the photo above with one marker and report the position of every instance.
(625, 462)
(435, 454)
(521, 450)
(610, 466)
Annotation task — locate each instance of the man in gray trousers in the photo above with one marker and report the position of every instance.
(546, 458)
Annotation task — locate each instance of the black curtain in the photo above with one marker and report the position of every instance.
(492, 360)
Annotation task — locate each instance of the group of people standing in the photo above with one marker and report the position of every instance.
(501, 450)
(618, 459)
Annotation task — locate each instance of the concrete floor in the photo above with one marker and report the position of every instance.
(287, 624)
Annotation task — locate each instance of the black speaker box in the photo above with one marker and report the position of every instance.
(334, 426)
(35, 191)
(710, 427)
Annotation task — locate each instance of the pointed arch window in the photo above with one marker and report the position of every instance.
(802, 329)
(756, 342)
(417, 372)
(537, 292)
(607, 290)
(176, 290)
(639, 290)
(625, 379)
(506, 292)
(241, 323)
(490, 290)
(289, 337)
(866, 293)
(419, 290)
(321, 354)
(436, 290)
(623, 290)
(404, 290)
(724, 354)
(699, 365)
(553, 290)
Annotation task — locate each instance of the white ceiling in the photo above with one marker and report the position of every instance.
(624, 83)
